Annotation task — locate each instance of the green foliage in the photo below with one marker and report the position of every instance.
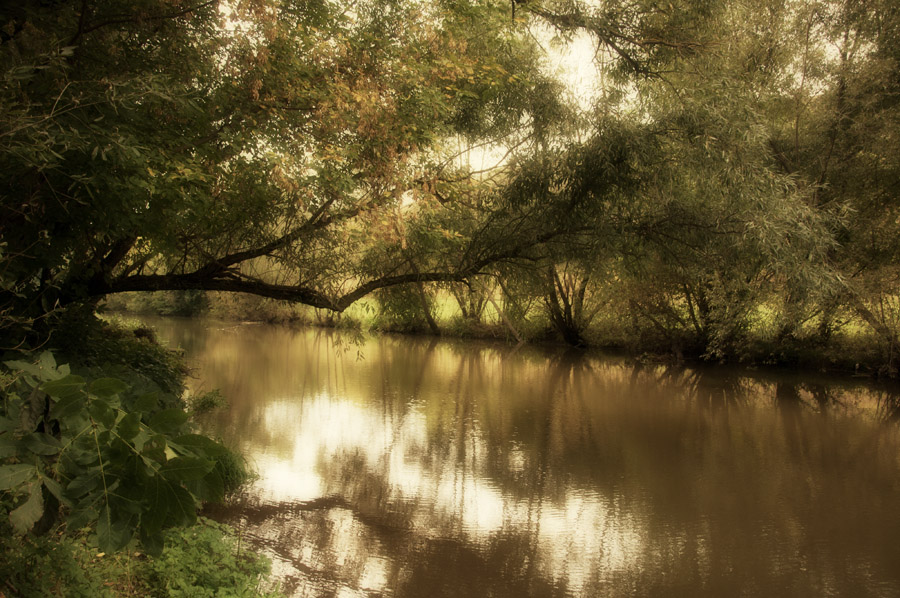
(401, 310)
(198, 561)
(95, 348)
(155, 146)
(105, 452)
(206, 402)
(234, 470)
(48, 566)
(163, 303)
(739, 155)
(205, 561)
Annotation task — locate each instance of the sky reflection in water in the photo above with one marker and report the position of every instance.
(412, 467)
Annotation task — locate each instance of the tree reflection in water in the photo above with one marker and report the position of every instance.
(411, 467)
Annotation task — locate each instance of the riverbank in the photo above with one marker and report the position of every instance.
(851, 350)
(102, 473)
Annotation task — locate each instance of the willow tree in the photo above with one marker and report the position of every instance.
(301, 151)
(835, 127)
(254, 146)
(676, 178)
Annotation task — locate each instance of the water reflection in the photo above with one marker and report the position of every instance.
(411, 467)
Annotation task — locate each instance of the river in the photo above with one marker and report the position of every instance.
(408, 466)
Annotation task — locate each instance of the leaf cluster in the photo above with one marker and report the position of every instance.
(102, 453)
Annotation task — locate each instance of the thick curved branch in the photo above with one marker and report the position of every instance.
(221, 275)
(198, 281)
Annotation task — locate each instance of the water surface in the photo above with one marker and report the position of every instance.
(399, 466)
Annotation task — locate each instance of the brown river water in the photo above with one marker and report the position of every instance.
(406, 466)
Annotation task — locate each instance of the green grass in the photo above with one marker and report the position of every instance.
(200, 561)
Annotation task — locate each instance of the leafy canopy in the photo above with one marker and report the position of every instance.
(238, 146)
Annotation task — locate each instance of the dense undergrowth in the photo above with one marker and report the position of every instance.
(102, 472)
(199, 561)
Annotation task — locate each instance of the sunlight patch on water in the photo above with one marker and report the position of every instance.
(573, 536)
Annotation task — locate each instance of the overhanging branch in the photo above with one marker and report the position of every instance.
(198, 281)
(222, 275)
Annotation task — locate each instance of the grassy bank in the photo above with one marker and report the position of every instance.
(202, 560)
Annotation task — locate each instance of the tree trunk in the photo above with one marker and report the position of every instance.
(435, 329)
(426, 309)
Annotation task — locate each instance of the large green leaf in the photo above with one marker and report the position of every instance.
(129, 426)
(102, 413)
(168, 421)
(211, 488)
(147, 403)
(7, 425)
(56, 490)
(81, 517)
(26, 515)
(64, 388)
(14, 475)
(8, 446)
(152, 542)
(113, 530)
(70, 407)
(182, 469)
(155, 448)
(107, 387)
(199, 445)
(47, 361)
(83, 484)
(166, 503)
(24, 366)
(83, 451)
(42, 444)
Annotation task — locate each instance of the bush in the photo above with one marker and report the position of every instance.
(234, 470)
(105, 446)
(206, 402)
(161, 303)
(203, 560)
(400, 310)
(95, 348)
(113, 456)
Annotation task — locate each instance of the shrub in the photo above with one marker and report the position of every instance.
(200, 561)
(206, 402)
(400, 310)
(95, 349)
(234, 469)
(112, 456)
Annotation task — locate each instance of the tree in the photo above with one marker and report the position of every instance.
(305, 152)
(255, 147)
(836, 130)
(678, 175)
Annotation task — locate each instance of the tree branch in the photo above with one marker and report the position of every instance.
(198, 281)
(317, 220)
(82, 20)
